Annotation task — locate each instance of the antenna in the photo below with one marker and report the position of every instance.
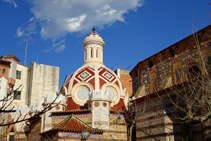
(27, 41)
(117, 64)
(128, 67)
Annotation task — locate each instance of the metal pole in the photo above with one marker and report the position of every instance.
(25, 52)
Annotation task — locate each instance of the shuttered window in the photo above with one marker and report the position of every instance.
(18, 74)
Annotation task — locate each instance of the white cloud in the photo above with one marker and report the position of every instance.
(58, 43)
(57, 46)
(11, 2)
(59, 17)
(27, 29)
(31, 19)
(60, 48)
(46, 50)
(19, 32)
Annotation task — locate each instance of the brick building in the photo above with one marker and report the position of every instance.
(160, 73)
(125, 79)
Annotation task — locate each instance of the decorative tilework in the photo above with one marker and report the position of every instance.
(108, 75)
(84, 75)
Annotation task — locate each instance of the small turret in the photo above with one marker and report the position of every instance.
(93, 49)
(99, 103)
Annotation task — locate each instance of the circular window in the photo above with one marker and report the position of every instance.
(104, 104)
(111, 93)
(83, 93)
(96, 104)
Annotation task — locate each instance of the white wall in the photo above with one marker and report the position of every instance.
(44, 80)
(24, 82)
(13, 68)
(3, 88)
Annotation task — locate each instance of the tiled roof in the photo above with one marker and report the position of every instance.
(5, 61)
(71, 112)
(74, 124)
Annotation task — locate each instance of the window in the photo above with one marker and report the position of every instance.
(17, 95)
(85, 54)
(97, 53)
(18, 74)
(91, 53)
(150, 64)
(3, 71)
(172, 53)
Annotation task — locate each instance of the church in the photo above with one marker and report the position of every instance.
(166, 82)
(91, 98)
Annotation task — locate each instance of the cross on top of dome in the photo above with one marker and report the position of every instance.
(93, 29)
(93, 32)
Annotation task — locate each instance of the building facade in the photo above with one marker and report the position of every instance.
(27, 85)
(94, 95)
(156, 76)
(91, 98)
(37, 80)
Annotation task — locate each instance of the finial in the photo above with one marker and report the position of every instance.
(12, 52)
(93, 29)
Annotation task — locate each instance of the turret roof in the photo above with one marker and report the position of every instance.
(74, 124)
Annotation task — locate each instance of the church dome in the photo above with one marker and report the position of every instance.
(93, 77)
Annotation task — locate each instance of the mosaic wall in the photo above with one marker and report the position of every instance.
(67, 136)
(171, 72)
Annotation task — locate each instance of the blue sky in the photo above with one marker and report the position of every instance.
(132, 29)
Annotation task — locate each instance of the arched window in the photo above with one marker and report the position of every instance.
(97, 53)
(172, 53)
(150, 63)
(3, 71)
(85, 54)
(91, 52)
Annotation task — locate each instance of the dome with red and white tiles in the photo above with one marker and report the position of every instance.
(93, 77)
